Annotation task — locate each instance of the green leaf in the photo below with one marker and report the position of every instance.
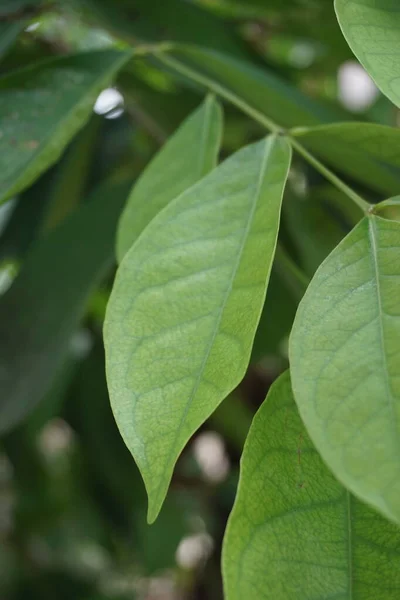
(8, 34)
(113, 470)
(171, 20)
(41, 310)
(185, 307)
(42, 108)
(365, 151)
(295, 533)
(344, 356)
(49, 200)
(259, 88)
(276, 318)
(372, 30)
(186, 157)
(314, 231)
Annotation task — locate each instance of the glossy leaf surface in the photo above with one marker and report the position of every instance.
(372, 30)
(42, 108)
(185, 307)
(345, 356)
(184, 159)
(41, 310)
(295, 533)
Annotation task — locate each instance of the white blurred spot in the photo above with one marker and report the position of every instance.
(81, 343)
(356, 89)
(109, 103)
(32, 26)
(56, 437)
(302, 55)
(209, 451)
(194, 550)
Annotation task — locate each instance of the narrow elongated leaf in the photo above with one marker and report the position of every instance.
(365, 151)
(185, 306)
(372, 30)
(259, 88)
(171, 20)
(41, 109)
(295, 533)
(344, 356)
(41, 310)
(187, 156)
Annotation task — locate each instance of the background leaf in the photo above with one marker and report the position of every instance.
(366, 151)
(185, 158)
(41, 310)
(372, 30)
(41, 109)
(344, 355)
(259, 88)
(185, 306)
(295, 533)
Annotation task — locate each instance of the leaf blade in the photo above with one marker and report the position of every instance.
(173, 170)
(187, 295)
(365, 151)
(295, 533)
(38, 318)
(372, 30)
(42, 108)
(348, 326)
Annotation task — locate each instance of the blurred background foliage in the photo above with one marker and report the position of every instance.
(72, 504)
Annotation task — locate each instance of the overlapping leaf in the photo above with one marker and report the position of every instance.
(185, 307)
(295, 533)
(41, 109)
(372, 30)
(345, 356)
(186, 157)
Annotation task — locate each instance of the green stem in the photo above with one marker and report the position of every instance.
(212, 85)
(336, 181)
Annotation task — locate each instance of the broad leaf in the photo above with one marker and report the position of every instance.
(185, 307)
(186, 157)
(259, 88)
(41, 109)
(41, 310)
(372, 30)
(345, 356)
(365, 151)
(295, 533)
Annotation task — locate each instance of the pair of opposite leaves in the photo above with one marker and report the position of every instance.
(187, 299)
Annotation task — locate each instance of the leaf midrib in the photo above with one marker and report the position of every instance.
(373, 242)
(267, 152)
